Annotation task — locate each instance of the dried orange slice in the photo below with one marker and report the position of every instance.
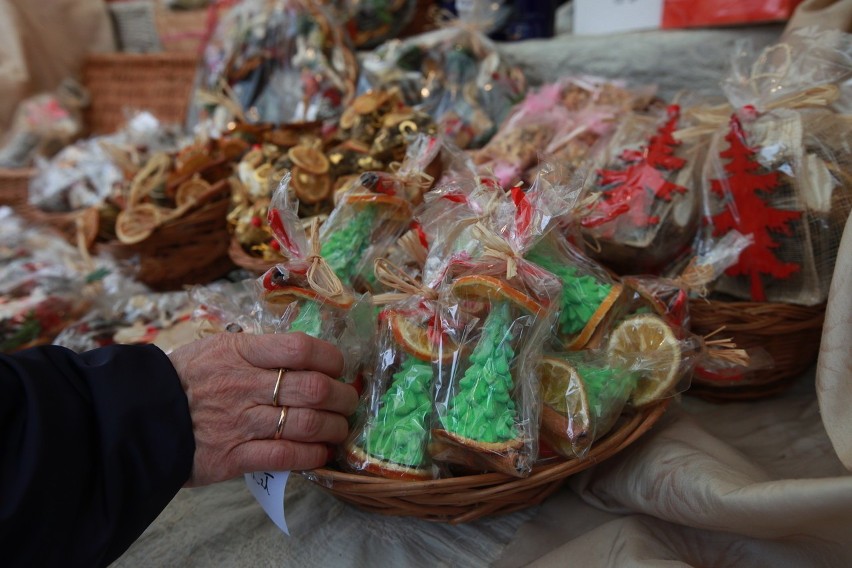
(190, 191)
(358, 459)
(566, 413)
(310, 188)
(308, 159)
(233, 148)
(136, 224)
(282, 137)
(585, 335)
(414, 339)
(479, 286)
(192, 163)
(646, 343)
(342, 185)
(348, 118)
(368, 102)
(562, 388)
(391, 119)
(396, 208)
(283, 295)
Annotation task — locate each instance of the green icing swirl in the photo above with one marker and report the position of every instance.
(607, 390)
(400, 432)
(581, 297)
(483, 408)
(308, 320)
(344, 248)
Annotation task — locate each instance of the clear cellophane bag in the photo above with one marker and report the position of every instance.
(274, 61)
(304, 295)
(456, 74)
(392, 437)
(778, 167)
(645, 206)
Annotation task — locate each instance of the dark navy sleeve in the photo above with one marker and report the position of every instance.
(93, 446)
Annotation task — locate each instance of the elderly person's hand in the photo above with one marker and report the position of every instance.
(242, 423)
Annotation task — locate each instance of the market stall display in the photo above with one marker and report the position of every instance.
(518, 278)
(780, 153)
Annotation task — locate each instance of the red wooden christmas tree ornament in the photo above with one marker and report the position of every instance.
(632, 190)
(744, 192)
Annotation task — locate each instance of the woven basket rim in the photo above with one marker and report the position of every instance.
(353, 487)
(247, 262)
(789, 333)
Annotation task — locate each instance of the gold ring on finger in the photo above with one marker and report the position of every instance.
(277, 388)
(279, 429)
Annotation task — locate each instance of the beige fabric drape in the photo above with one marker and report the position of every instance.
(834, 371)
(44, 41)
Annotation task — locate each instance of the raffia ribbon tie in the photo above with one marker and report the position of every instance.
(412, 178)
(696, 277)
(709, 119)
(321, 277)
(724, 349)
(395, 278)
(496, 247)
(411, 245)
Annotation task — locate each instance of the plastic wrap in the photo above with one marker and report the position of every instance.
(303, 293)
(43, 284)
(646, 205)
(42, 125)
(588, 292)
(651, 335)
(373, 211)
(561, 121)
(371, 22)
(164, 320)
(275, 61)
(450, 212)
(497, 312)
(778, 168)
(229, 307)
(583, 395)
(392, 439)
(455, 74)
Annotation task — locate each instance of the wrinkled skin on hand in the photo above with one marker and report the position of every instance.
(229, 381)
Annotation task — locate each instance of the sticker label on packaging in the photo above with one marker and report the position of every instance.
(268, 488)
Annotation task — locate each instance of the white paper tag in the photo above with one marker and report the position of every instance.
(268, 488)
(609, 16)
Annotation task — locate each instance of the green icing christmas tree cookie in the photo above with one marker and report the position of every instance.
(584, 302)
(395, 440)
(308, 319)
(343, 249)
(483, 409)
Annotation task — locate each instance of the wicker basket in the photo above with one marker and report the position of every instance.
(123, 82)
(15, 186)
(192, 249)
(790, 334)
(183, 30)
(468, 498)
(244, 260)
(79, 228)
